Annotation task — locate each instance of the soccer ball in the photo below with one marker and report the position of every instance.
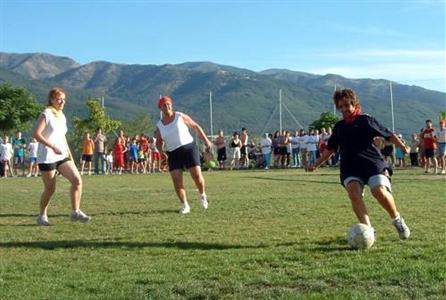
(211, 164)
(361, 236)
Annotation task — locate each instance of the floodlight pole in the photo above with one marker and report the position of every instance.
(391, 107)
(210, 115)
(280, 110)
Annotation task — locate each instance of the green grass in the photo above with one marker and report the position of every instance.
(277, 234)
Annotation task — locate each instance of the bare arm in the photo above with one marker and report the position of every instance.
(159, 141)
(394, 139)
(324, 157)
(194, 125)
(40, 138)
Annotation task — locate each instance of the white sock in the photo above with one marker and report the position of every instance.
(185, 203)
(203, 195)
(397, 217)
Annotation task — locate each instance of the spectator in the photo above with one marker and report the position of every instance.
(221, 149)
(441, 141)
(6, 155)
(429, 144)
(236, 145)
(99, 151)
(32, 150)
(414, 145)
(19, 146)
(87, 153)
(265, 146)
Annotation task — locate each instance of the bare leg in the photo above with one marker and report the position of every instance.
(354, 190)
(177, 178)
(385, 199)
(49, 187)
(70, 172)
(198, 178)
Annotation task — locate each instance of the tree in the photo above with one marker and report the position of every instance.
(97, 117)
(141, 124)
(18, 108)
(326, 119)
(442, 115)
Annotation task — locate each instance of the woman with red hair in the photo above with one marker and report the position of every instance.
(173, 132)
(53, 154)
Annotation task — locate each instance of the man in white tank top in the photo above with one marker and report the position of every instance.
(173, 132)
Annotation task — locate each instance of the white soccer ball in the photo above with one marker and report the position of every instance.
(361, 236)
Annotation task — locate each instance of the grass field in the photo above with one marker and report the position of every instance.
(276, 234)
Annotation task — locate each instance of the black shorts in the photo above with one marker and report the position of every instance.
(52, 166)
(283, 151)
(387, 150)
(276, 150)
(87, 157)
(244, 150)
(221, 154)
(428, 153)
(184, 157)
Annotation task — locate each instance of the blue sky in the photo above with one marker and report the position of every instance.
(403, 41)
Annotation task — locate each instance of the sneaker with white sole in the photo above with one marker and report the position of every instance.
(43, 220)
(204, 201)
(402, 228)
(185, 209)
(79, 216)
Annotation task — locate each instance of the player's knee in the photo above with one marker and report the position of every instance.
(378, 191)
(76, 181)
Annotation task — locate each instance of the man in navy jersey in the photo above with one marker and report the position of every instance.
(361, 161)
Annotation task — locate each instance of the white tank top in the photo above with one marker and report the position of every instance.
(54, 132)
(176, 133)
(441, 136)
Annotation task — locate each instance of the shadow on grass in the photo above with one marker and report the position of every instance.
(293, 180)
(331, 245)
(29, 215)
(75, 244)
(110, 213)
(141, 212)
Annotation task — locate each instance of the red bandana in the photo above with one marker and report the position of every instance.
(356, 113)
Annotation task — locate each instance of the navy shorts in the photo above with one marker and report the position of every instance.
(221, 154)
(184, 157)
(87, 157)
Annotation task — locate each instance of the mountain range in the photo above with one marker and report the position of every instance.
(240, 97)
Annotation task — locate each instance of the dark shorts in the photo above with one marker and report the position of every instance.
(221, 154)
(87, 157)
(276, 150)
(19, 160)
(52, 166)
(244, 150)
(283, 151)
(428, 153)
(183, 158)
(387, 150)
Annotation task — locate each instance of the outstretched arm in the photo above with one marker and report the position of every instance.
(324, 157)
(394, 139)
(194, 125)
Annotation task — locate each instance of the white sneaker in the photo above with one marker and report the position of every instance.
(443, 171)
(204, 201)
(29, 175)
(79, 216)
(185, 209)
(402, 228)
(43, 220)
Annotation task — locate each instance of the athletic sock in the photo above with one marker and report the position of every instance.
(397, 217)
